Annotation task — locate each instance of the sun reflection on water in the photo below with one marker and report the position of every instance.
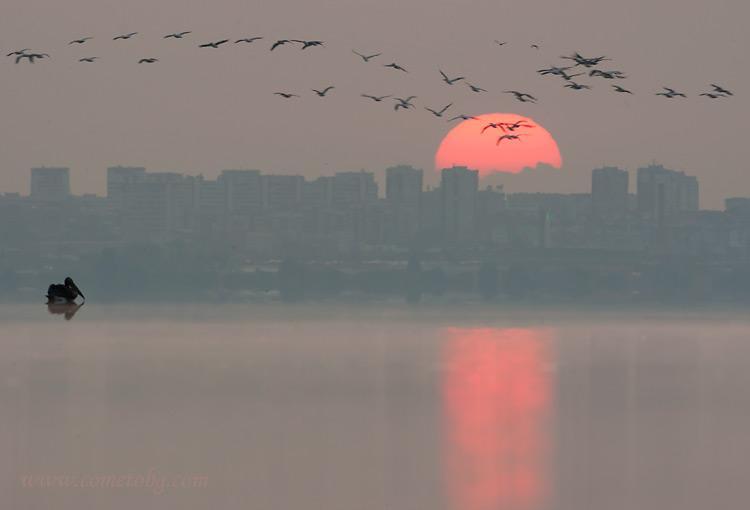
(497, 403)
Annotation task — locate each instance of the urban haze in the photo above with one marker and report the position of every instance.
(232, 273)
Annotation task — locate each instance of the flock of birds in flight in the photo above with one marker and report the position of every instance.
(579, 66)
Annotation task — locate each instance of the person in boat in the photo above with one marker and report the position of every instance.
(67, 292)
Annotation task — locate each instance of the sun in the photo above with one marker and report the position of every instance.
(469, 144)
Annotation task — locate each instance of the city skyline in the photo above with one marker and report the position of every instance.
(521, 182)
(195, 111)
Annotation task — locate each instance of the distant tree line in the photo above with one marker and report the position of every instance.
(174, 272)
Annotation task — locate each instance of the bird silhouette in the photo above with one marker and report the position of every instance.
(395, 66)
(149, 60)
(403, 103)
(79, 41)
(576, 86)
(508, 137)
(670, 93)
(512, 126)
(500, 43)
(366, 58)
(559, 71)
(521, 96)
(377, 99)
(125, 36)
(214, 44)
(580, 60)
(18, 52)
(450, 81)
(621, 90)
(493, 125)
(248, 40)
(308, 44)
(286, 95)
(554, 70)
(322, 93)
(535, 46)
(608, 75)
(721, 90)
(712, 96)
(569, 77)
(87, 59)
(475, 88)
(463, 117)
(278, 43)
(177, 35)
(438, 113)
(31, 57)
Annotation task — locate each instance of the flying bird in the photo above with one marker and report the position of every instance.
(501, 43)
(79, 41)
(712, 96)
(308, 44)
(512, 126)
(149, 60)
(508, 137)
(403, 103)
(377, 99)
(463, 117)
(366, 58)
(18, 52)
(608, 75)
(535, 46)
(395, 66)
(285, 95)
(559, 71)
(248, 40)
(475, 88)
(493, 125)
(521, 96)
(278, 43)
(621, 90)
(450, 81)
(721, 90)
(87, 59)
(670, 93)
(438, 113)
(177, 35)
(125, 36)
(322, 93)
(554, 70)
(576, 86)
(580, 60)
(214, 44)
(31, 57)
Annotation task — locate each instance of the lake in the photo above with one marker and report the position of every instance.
(373, 407)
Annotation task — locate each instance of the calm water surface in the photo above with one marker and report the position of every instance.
(325, 407)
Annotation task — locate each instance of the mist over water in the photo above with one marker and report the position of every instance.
(372, 407)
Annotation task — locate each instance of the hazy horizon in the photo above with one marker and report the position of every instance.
(203, 110)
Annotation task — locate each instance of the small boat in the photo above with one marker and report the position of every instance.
(67, 292)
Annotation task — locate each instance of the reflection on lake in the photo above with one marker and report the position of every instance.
(497, 392)
(345, 407)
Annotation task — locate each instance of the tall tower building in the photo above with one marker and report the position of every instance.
(244, 191)
(282, 192)
(353, 188)
(118, 180)
(609, 193)
(50, 184)
(663, 193)
(459, 186)
(403, 193)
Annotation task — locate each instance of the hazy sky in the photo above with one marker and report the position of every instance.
(202, 110)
